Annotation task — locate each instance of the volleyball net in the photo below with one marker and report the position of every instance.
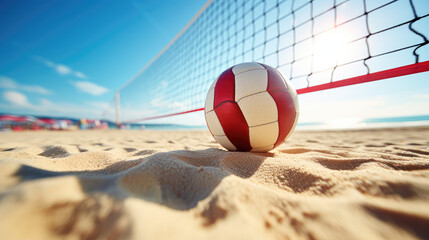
(317, 44)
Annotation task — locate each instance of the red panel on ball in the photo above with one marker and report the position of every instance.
(234, 125)
(225, 88)
(287, 113)
(275, 79)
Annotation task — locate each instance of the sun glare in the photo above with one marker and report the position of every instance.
(328, 48)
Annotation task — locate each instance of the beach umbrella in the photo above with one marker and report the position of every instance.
(8, 118)
(15, 119)
(48, 121)
(32, 119)
(22, 119)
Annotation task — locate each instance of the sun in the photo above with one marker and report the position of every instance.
(328, 47)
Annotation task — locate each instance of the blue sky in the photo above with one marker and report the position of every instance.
(66, 58)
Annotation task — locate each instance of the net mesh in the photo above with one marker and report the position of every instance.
(311, 42)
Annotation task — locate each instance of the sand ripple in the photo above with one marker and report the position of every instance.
(142, 184)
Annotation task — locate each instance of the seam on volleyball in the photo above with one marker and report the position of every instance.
(263, 124)
(255, 69)
(272, 90)
(251, 95)
(207, 123)
(213, 98)
(278, 89)
(220, 136)
(220, 104)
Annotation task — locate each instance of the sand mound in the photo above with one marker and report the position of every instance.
(122, 185)
(59, 151)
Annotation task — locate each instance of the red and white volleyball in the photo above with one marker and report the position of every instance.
(251, 107)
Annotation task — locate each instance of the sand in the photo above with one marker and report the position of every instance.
(368, 184)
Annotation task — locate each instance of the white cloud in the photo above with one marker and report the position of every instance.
(421, 96)
(9, 83)
(6, 82)
(18, 103)
(60, 68)
(90, 87)
(16, 98)
(34, 88)
(80, 75)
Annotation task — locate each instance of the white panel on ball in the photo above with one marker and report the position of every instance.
(214, 82)
(263, 149)
(224, 141)
(209, 100)
(251, 82)
(259, 109)
(214, 124)
(243, 67)
(264, 135)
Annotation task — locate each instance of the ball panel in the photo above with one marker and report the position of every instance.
(287, 113)
(243, 67)
(214, 125)
(214, 82)
(209, 101)
(250, 82)
(259, 109)
(293, 126)
(263, 149)
(224, 89)
(263, 135)
(224, 141)
(293, 93)
(275, 79)
(234, 125)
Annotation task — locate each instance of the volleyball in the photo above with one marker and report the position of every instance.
(251, 107)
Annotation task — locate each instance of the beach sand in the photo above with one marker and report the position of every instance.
(366, 184)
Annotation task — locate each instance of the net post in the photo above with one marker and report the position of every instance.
(117, 109)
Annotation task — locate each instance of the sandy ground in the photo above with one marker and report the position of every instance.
(370, 184)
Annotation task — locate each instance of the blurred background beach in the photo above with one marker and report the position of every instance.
(66, 61)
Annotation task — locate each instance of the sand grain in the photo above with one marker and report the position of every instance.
(368, 184)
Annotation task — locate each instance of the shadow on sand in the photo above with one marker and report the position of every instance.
(176, 179)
